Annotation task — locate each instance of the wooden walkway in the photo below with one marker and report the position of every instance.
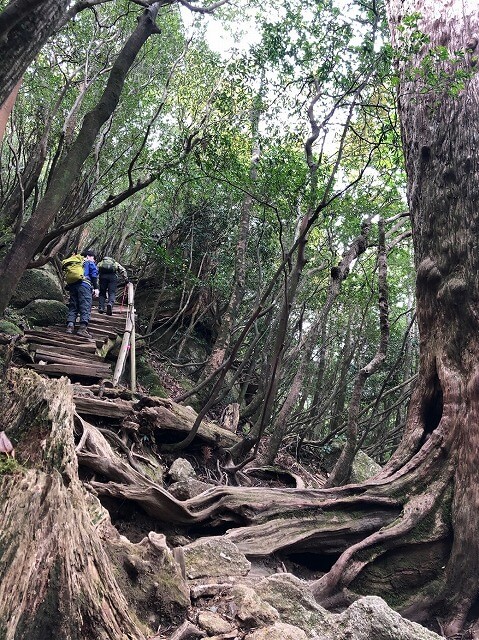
(57, 353)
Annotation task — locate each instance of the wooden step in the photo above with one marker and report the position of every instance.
(67, 350)
(66, 341)
(99, 370)
(57, 357)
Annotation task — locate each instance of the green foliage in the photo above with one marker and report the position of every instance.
(188, 122)
(9, 465)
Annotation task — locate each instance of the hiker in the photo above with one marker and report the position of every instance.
(109, 270)
(81, 275)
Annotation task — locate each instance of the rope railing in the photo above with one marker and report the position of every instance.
(128, 343)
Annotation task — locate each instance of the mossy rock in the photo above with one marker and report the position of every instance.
(364, 467)
(43, 313)
(9, 328)
(36, 284)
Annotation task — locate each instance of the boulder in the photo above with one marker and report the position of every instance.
(292, 598)
(213, 623)
(371, 617)
(251, 609)
(36, 284)
(43, 313)
(278, 631)
(363, 468)
(181, 469)
(212, 557)
(9, 328)
(189, 488)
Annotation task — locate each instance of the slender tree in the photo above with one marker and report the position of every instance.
(28, 239)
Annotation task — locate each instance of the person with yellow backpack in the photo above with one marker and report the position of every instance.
(81, 276)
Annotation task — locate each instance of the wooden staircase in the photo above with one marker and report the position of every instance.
(57, 353)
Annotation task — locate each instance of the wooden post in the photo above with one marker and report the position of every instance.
(130, 320)
(133, 354)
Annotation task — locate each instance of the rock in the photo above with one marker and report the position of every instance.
(9, 328)
(209, 557)
(43, 313)
(291, 597)
(251, 609)
(371, 617)
(181, 469)
(363, 468)
(189, 488)
(213, 623)
(36, 284)
(279, 631)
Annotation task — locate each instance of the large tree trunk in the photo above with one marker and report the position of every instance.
(435, 467)
(56, 580)
(442, 160)
(65, 572)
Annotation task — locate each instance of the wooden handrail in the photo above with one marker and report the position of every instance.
(127, 341)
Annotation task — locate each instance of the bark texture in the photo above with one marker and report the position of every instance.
(56, 580)
(439, 130)
(25, 26)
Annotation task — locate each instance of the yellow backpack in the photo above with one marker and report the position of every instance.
(72, 269)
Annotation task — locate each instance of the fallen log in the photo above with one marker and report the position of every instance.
(91, 406)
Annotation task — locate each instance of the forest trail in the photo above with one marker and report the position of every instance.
(57, 353)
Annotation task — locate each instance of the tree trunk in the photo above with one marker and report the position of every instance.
(6, 108)
(25, 26)
(56, 580)
(443, 190)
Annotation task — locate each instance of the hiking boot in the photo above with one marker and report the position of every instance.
(101, 310)
(83, 333)
(69, 328)
(109, 309)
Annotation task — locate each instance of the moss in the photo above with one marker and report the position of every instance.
(9, 465)
(9, 328)
(148, 378)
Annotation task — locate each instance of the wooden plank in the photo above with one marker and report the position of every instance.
(95, 407)
(67, 351)
(59, 333)
(101, 321)
(57, 358)
(71, 370)
(79, 344)
(105, 332)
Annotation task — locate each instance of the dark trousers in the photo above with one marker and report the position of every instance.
(108, 285)
(80, 302)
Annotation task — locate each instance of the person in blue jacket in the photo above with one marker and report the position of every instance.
(81, 296)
